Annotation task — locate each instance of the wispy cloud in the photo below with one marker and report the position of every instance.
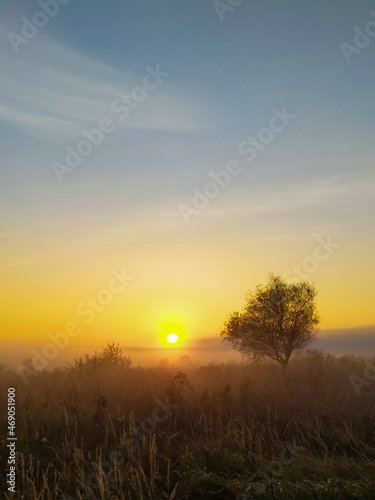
(62, 91)
(345, 191)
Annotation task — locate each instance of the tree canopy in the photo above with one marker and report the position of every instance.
(278, 319)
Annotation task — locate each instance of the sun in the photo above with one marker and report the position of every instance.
(172, 333)
(172, 338)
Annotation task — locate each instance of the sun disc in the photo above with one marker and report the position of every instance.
(172, 338)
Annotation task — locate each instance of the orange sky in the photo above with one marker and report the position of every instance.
(277, 133)
(167, 285)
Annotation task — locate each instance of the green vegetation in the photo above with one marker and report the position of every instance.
(107, 431)
(279, 318)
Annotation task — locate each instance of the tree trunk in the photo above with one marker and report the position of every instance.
(284, 367)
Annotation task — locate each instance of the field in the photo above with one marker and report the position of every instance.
(235, 431)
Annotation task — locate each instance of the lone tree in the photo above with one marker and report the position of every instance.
(278, 319)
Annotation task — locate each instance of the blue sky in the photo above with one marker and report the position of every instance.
(225, 78)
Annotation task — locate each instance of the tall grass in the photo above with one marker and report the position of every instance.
(88, 433)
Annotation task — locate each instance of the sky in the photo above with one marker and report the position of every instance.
(168, 216)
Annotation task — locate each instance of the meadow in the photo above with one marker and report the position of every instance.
(104, 429)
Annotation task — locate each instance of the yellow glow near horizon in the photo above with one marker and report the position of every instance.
(172, 338)
(40, 292)
(172, 334)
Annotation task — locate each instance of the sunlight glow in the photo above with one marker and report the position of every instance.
(172, 333)
(172, 338)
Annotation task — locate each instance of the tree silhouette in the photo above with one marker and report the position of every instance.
(278, 319)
